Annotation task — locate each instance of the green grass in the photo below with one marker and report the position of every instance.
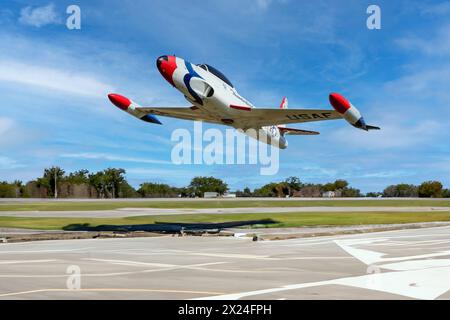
(294, 219)
(110, 205)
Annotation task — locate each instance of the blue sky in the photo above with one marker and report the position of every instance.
(54, 82)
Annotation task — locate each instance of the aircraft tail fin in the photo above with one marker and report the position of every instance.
(283, 105)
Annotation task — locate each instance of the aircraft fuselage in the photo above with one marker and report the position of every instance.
(209, 90)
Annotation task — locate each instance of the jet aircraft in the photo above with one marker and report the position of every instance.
(214, 99)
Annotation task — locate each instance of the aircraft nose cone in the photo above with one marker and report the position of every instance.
(119, 101)
(160, 60)
(166, 66)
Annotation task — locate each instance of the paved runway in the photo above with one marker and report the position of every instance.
(133, 200)
(133, 212)
(402, 264)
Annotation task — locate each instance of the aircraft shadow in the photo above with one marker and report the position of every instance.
(168, 227)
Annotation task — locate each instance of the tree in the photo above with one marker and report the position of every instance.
(329, 187)
(310, 190)
(186, 192)
(247, 192)
(294, 184)
(340, 184)
(350, 193)
(52, 178)
(157, 190)
(113, 179)
(200, 185)
(21, 190)
(334, 186)
(7, 190)
(273, 189)
(98, 181)
(446, 193)
(430, 189)
(127, 191)
(78, 177)
(18, 183)
(401, 190)
(268, 190)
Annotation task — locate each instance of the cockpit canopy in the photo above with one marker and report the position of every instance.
(216, 72)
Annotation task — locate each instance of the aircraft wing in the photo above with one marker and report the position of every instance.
(247, 118)
(185, 113)
(267, 117)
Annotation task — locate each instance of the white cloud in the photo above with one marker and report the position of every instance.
(111, 157)
(11, 134)
(52, 78)
(263, 4)
(6, 124)
(79, 66)
(163, 173)
(430, 83)
(7, 163)
(442, 164)
(316, 171)
(387, 174)
(434, 44)
(39, 16)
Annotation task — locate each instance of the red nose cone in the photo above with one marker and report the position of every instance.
(119, 101)
(166, 66)
(339, 103)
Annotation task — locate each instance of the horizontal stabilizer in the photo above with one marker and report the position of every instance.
(372, 127)
(293, 131)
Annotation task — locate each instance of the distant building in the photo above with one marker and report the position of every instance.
(210, 195)
(229, 195)
(329, 194)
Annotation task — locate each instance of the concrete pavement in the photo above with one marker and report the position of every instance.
(404, 264)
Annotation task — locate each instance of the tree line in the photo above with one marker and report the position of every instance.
(108, 183)
(111, 183)
(293, 187)
(427, 189)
